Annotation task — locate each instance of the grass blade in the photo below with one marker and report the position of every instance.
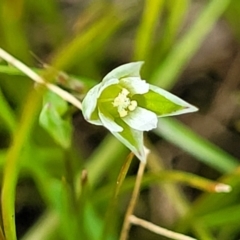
(206, 152)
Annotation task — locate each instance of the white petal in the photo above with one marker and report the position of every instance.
(109, 123)
(135, 85)
(141, 119)
(139, 149)
(104, 85)
(126, 70)
(187, 107)
(89, 104)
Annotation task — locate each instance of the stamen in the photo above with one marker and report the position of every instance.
(122, 112)
(132, 106)
(125, 91)
(123, 103)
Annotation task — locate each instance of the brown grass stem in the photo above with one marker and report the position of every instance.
(132, 203)
(158, 230)
(38, 79)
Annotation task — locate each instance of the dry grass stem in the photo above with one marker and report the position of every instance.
(35, 77)
(158, 230)
(221, 187)
(131, 206)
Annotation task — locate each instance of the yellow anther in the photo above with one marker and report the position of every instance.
(125, 91)
(132, 106)
(123, 103)
(122, 112)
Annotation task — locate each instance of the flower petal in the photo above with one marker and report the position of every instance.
(185, 107)
(163, 103)
(141, 119)
(132, 139)
(126, 70)
(89, 105)
(135, 85)
(106, 84)
(108, 122)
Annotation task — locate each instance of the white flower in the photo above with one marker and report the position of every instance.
(126, 105)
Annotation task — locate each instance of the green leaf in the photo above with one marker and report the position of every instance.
(222, 217)
(51, 119)
(126, 70)
(146, 30)
(166, 73)
(59, 104)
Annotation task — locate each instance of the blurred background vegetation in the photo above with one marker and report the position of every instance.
(190, 47)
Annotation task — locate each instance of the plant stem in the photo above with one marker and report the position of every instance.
(109, 218)
(12, 165)
(43, 226)
(37, 78)
(159, 230)
(1, 234)
(132, 204)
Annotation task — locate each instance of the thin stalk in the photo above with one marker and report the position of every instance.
(12, 165)
(133, 201)
(109, 218)
(41, 229)
(38, 79)
(1, 234)
(122, 175)
(159, 230)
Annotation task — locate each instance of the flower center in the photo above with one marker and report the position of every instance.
(123, 103)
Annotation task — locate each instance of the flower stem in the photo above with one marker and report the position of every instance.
(132, 204)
